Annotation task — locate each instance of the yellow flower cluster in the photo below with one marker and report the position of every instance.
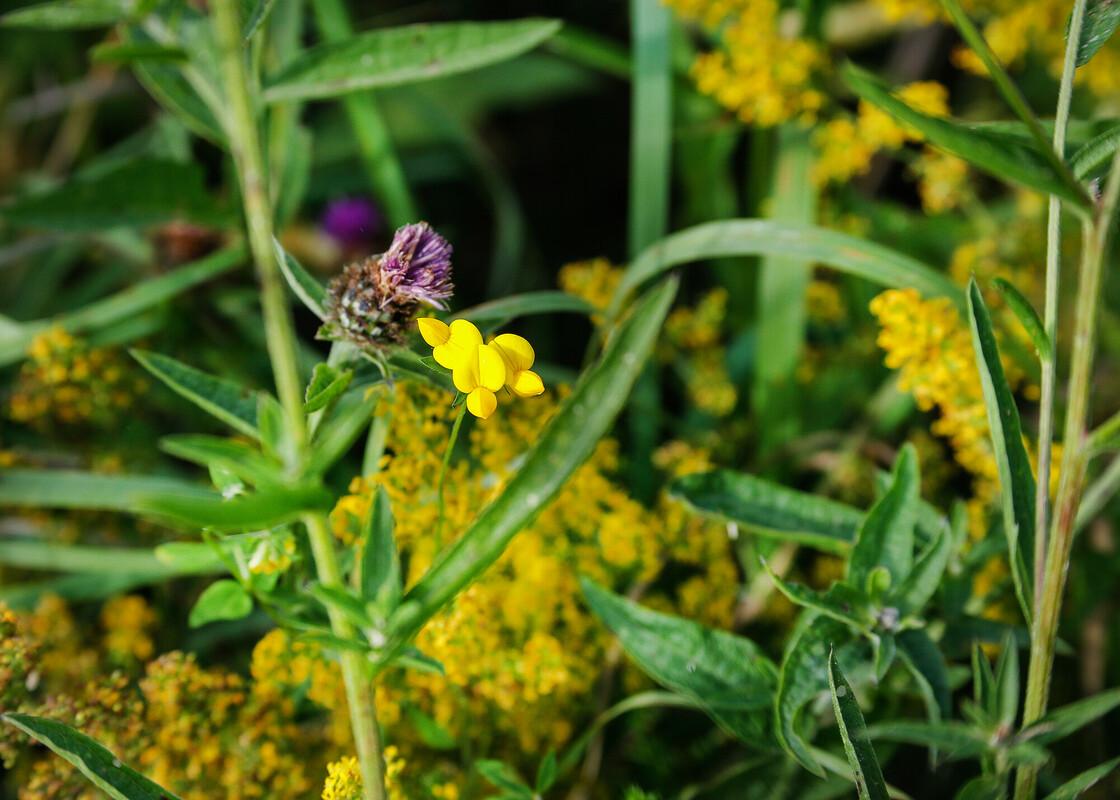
(696, 332)
(128, 621)
(760, 74)
(518, 647)
(845, 146)
(594, 281)
(344, 777)
(824, 303)
(927, 341)
(942, 180)
(66, 381)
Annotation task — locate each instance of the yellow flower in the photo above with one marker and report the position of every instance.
(479, 370)
(518, 356)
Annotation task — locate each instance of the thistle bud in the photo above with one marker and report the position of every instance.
(373, 300)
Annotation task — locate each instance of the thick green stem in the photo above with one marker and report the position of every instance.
(1077, 449)
(1050, 311)
(244, 140)
(245, 146)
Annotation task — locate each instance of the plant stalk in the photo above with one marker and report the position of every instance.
(1050, 310)
(1076, 453)
(244, 141)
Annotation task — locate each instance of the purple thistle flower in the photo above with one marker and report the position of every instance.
(352, 220)
(373, 301)
(418, 264)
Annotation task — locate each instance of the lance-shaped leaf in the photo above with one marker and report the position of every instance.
(1101, 19)
(261, 509)
(379, 569)
(842, 602)
(327, 383)
(956, 739)
(727, 675)
(103, 769)
(1061, 722)
(500, 311)
(916, 589)
(1075, 787)
(303, 284)
(239, 458)
(761, 237)
(886, 537)
(407, 54)
(869, 781)
(56, 488)
(564, 444)
(1027, 317)
(1010, 158)
(1095, 153)
(770, 510)
(68, 14)
(924, 660)
(804, 676)
(1017, 486)
(232, 404)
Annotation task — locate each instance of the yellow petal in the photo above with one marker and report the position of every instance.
(465, 376)
(527, 384)
(491, 368)
(433, 331)
(464, 333)
(481, 402)
(516, 350)
(463, 339)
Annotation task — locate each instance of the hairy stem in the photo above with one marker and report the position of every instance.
(1077, 449)
(1050, 311)
(244, 140)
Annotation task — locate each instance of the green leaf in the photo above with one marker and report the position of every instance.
(261, 509)
(727, 675)
(918, 587)
(886, 537)
(804, 676)
(564, 444)
(1074, 788)
(651, 123)
(546, 773)
(188, 556)
(122, 306)
(327, 383)
(56, 488)
(340, 600)
(501, 311)
(1027, 317)
(38, 554)
(1095, 153)
(869, 781)
(379, 566)
(759, 237)
(303, 284)
(984, 683)
(767, 509)
(1009, 158)
(1007, 684)
(503, 776)
(343, 426)
(226, 400)
(241, 459)
(780, 306)
(984, 787)
(407, 54)
(431, 733)
(275, 433)
(956, 739)
(1101, 19)
(1061, 722)
(127, 52)
(261, 10)
(67, 14)
(165, 82)
(924, 660)
(103, 769)
(842, 602)
(136, 193)
(221, 600)
(1017, 486)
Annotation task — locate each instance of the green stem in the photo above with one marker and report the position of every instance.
(1075, 458)
(244, 140)
(1050, 311)
(443, 471)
